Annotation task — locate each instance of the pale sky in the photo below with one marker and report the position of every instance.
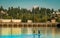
(55, 4)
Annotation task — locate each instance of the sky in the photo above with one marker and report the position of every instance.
(55, 4)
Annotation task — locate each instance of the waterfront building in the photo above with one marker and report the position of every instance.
(56, 14)
(29, 21)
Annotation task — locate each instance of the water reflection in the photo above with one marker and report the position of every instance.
(36, 32)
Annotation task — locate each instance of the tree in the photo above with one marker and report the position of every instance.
(52, 10)
(59, 10)
(48, 12)
(58, 19)
(24, 19)
(35, 10)
(1, 8)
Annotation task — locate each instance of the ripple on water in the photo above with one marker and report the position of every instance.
(30, 36)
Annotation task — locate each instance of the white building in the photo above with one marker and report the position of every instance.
(29, 21)
(16, 20)
(5, 20)
(56, 14)
(3, 12)
(10, 20)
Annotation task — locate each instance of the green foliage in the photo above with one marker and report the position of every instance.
(24, 19)
(59, 10)
(36, 15)
(58, 20)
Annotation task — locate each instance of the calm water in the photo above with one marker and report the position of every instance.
(49, 32)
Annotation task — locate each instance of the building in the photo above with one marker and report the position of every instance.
(53, 20)
(56, 14)
(10, 20)
(29, 21)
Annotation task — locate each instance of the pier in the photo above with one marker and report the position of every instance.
(12, 24)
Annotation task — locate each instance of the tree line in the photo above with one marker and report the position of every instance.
(36, 14)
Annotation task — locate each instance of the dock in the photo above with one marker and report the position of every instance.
(12, 24)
